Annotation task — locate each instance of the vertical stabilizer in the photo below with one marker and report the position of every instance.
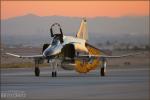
(83, 32)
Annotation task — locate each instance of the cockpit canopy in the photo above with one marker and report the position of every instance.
(57, 33)
(56, 40)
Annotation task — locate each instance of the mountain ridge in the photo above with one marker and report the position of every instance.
(35, 29)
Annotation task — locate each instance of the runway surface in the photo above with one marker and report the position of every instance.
(119, 84)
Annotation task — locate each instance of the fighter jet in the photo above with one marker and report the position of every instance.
(71, 53)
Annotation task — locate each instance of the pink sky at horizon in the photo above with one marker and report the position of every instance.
(11, 9)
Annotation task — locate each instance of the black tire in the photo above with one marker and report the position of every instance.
(54, 74)
(37, 71)
(103, 72)
(44, 47)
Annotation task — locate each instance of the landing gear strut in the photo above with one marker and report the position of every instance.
(37, 69)
(103, 67)
(54, 66)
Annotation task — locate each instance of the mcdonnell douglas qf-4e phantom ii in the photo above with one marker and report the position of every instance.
(71, 52)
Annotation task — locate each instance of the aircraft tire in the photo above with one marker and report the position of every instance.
(54, 74)
(37, 71)
(103, 72)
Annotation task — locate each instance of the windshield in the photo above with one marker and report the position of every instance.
(55, 41)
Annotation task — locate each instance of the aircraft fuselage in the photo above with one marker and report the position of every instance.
(56, 46)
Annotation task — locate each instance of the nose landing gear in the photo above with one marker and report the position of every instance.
(54, 65)
(54, 74)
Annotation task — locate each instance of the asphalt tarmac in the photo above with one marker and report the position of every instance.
(118, 84)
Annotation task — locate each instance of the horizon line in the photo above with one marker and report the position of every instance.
(3, 19)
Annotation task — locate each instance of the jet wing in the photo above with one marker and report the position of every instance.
(105, 56)
(31, 56)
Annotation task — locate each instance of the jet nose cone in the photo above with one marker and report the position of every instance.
(48, 52)
(52, 51)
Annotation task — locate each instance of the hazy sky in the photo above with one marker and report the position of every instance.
(74, 8)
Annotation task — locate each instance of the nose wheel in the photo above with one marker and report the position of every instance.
(54, 65)
(54, 74)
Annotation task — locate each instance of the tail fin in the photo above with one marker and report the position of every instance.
(83, 32)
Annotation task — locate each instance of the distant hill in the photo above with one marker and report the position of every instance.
(31, 29)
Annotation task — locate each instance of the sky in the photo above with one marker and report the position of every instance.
(11, 9)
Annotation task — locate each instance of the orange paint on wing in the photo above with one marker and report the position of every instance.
(74, 8)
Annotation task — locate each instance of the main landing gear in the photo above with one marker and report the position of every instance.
(103, 67)
(37, 69)
(53, 64)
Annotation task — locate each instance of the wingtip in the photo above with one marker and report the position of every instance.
(13, 55)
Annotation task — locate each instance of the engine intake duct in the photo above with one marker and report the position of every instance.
(68, 52)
